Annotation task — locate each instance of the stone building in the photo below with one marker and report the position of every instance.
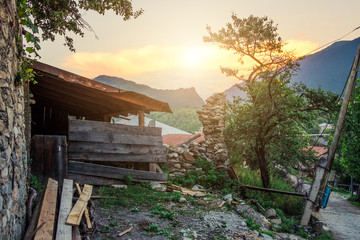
(13, 165)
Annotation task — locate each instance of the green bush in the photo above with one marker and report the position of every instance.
(209, 177)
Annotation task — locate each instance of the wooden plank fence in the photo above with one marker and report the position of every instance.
(95, 145)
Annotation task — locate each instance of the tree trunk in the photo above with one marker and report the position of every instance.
(265, 176)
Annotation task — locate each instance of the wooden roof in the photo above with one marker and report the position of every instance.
(82, 96)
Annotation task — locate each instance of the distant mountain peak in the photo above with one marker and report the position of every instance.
(178, 98)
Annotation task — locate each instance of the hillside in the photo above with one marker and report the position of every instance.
(327, 69)
(179, 98)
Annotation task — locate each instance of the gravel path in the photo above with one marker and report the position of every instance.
(342, 218)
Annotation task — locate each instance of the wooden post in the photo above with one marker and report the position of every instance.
(310, 201)
(341, 119)
(141, 115)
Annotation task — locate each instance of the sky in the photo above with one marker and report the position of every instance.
(164, 47)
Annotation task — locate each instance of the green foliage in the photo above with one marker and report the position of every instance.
(208, 178)
(324, 236)
(160, 231)
(267, 126)
(185, 119)
(133, 196)
(350, 138)
(66, 17)
(163, 212)
(128, 179)
(252, 224)
(36, 184)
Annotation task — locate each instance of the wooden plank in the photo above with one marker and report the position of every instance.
(63, 230)
(84, 179)
(87, 217)
(48, 211)
(106, 157)
(79, 207)
(94, 147)
(85, 125)
(113, 137)
(113, 172)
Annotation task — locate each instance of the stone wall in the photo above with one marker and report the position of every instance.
(13, 165)
(212, 115)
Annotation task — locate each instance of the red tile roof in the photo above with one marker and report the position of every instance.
(175, 139)
(318, 151)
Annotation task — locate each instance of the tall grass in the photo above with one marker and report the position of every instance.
(291, 205)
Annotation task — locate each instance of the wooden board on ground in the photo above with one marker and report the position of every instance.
(79, 207)
(113, 172)
(64, 231)
(48, 211)
(87, 217)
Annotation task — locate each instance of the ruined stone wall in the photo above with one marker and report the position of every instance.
(212, 115)
(13, 165)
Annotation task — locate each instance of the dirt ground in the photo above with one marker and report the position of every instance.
(341, 217)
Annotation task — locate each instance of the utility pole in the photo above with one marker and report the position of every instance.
(339, 126)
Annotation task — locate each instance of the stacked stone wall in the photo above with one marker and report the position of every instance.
(212, 115)
(13, 164)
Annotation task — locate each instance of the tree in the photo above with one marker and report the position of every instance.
(350, 147)
(267, 126)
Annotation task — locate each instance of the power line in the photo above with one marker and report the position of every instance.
(316, 49)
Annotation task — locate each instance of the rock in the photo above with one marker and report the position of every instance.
(177, 165)
(187, 165)
(157, 186)
(188, 156)
(270, 213)
(120, 186)
(276, 221)
(247, 211)
(197, 187)
(287, 236)
(182, 200)
(228, 198)
(267, 237)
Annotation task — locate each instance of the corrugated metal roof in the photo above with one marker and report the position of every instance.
(78, 95)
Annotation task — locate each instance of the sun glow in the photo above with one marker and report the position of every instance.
(193, 57)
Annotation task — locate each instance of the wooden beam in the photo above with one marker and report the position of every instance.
(189, 140)
(115, 148)
(114, 137)
(141, 116)
(108, 157)
(274, 191)
(48, 211)
(63, 230)
(84, 179)
(113, 172)
(77, 211)
(95, 126)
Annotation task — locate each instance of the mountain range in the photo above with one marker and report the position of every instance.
(327, 69)
(179, 98)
